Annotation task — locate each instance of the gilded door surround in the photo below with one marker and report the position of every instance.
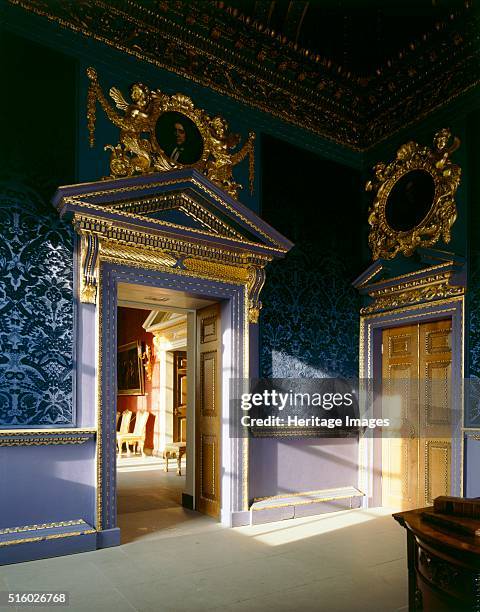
(235, 451)
(432, 293)
(440, 275)
(127, 220)
(370, 329)
(214, 247)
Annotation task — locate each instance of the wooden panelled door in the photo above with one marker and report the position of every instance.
(208, 411)
(179, 396)
(416, 451)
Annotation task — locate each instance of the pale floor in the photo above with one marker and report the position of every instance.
(174, 559)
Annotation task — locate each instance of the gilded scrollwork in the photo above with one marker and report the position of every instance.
(119, 243)
(256, 280)
(433, 165)
(297, 86)
(139, 150)
(88, 279)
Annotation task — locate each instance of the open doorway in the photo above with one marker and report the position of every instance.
(168, 408)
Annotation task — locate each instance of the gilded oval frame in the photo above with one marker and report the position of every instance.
(386, 242)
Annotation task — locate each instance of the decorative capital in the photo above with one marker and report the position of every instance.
(89, 247)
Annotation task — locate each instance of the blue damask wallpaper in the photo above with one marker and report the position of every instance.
(36, 311)
(472, 412)
(472, 415)
(309, 322)
(474, 323)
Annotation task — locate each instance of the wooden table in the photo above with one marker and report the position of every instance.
(172, 450)
(443, 560)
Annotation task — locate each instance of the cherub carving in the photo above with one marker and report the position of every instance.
(443, 151)
(133, 154)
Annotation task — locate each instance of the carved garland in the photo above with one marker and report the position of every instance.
(397, 223)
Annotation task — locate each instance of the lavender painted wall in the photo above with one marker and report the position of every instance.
(293, 466)
(472, 461)
(44, 484)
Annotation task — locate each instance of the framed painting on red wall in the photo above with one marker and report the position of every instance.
(130, 372)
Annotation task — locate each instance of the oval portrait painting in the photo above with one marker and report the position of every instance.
(410, 200)
(179, 138)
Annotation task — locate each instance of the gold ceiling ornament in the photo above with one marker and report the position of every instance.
(159, 132)
(414, 201)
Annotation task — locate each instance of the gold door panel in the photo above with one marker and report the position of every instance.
(208, 411)
(399, 447)
(416, 450)
(180, 396)
(207, 383)
(435, 365)
(437, 464)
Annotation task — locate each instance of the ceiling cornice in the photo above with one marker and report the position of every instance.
(265, 71)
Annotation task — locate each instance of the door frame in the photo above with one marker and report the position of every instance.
(371, 328)
(235, 358)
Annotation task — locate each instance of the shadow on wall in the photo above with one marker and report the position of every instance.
(309, 320)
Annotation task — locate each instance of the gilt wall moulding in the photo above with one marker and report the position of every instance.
(414, 204)
(159, 132)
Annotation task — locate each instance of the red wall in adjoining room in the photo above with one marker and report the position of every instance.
(130, 329)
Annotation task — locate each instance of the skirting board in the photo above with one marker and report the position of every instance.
(187, 501)
(32, 551)
(108, 537)
(296, 505)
